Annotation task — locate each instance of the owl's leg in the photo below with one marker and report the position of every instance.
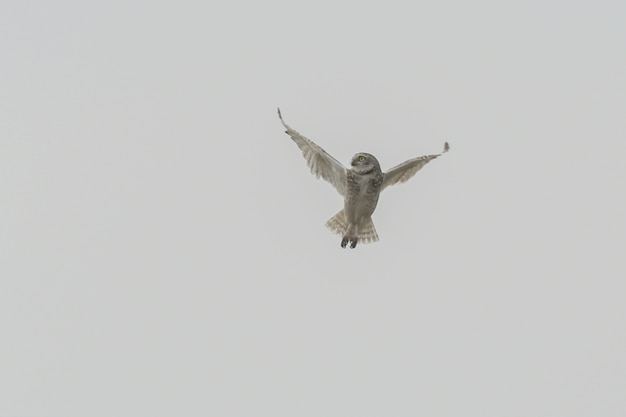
(354, 238)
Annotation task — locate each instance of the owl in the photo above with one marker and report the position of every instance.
(360, 185)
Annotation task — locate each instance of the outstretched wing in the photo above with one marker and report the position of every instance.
(404, 171)
(321, 163)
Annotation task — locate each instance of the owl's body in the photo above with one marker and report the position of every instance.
(360, 186)
(354, 222)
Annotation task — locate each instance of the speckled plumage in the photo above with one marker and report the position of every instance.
(360, 186)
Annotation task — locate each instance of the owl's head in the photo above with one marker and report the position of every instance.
(364, 163)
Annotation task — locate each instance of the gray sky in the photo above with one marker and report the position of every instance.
(163, 250)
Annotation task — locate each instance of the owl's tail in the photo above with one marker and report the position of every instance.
(366, 233)
(338, 224)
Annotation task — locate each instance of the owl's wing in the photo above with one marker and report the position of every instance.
(404, 171)
(321, 163)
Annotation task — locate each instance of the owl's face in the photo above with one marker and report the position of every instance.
(364, 163)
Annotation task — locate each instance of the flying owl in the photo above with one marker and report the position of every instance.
(360, 186)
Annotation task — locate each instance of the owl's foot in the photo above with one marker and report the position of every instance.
(345, 240)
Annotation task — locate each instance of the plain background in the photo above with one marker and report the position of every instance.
(162, 243)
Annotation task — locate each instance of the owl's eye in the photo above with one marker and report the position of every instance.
(361, 158)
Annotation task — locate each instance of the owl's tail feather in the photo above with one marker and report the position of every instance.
(337, 224)
(366, 231)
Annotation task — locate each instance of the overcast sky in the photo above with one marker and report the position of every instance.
(162, 241)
